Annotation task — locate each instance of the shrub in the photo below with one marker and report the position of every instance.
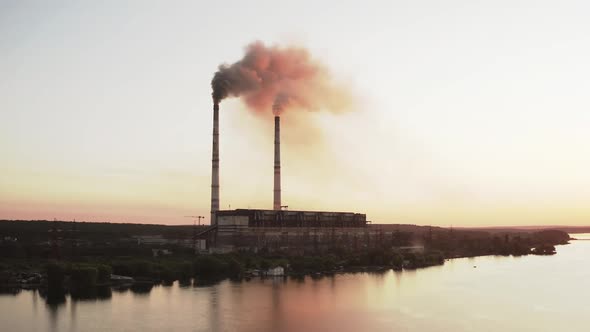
(265, 264)
(165, 272)
(397, 259)
(84, 276)
(55, 275)
(185, 270)
(297, 264)
(235, 268)
(208, 266)
(134, 268)
(104, 273)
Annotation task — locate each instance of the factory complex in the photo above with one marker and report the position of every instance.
(279, 229)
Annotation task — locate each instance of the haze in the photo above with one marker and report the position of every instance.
(472, 113)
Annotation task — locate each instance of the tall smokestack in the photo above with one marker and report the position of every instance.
(276, 205)
(215, 166)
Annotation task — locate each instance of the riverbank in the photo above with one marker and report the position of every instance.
(92, 272)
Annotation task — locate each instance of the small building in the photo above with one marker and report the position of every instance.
(201, 245)
(150, 239)
(161, 252)
(278, 271)
(412, 249)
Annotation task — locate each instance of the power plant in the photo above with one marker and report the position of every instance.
(274, 79)
(278, 229)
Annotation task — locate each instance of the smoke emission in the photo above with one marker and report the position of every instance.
(278, 79)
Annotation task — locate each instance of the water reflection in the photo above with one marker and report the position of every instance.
(214, 316)
(277, 303)
(10, 290)
(92, 293)
(56, 297)
(54, 301)
(142, 289)
(53, 297)
(185, 283)
(73, 314)
(298, 278)
(206, 282)
(123, 288)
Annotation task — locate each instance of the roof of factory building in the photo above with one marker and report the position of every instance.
(291, 218)
(250, 211)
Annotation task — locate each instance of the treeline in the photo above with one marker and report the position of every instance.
(471, 243)
(374, 258)
(70, 250)
(78, 275)
(40, 230)
(234, 265)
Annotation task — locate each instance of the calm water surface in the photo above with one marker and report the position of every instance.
(533, 293)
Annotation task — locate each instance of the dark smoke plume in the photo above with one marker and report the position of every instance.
(276, 79)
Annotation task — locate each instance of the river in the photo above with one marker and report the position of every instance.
(531, 293)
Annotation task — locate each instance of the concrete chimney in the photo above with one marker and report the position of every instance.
(276, 204)
(215, 166)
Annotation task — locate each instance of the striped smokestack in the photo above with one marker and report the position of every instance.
(215, 166)
(276, 204)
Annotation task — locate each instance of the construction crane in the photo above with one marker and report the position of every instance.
(195, 218)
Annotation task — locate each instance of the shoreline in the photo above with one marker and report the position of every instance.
(129, 282)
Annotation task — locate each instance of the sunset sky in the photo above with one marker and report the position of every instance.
(470, 113)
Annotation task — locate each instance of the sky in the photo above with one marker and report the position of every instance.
(470, 113)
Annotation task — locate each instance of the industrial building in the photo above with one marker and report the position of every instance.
(247, 229)
(277, 228)
(289, 219)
